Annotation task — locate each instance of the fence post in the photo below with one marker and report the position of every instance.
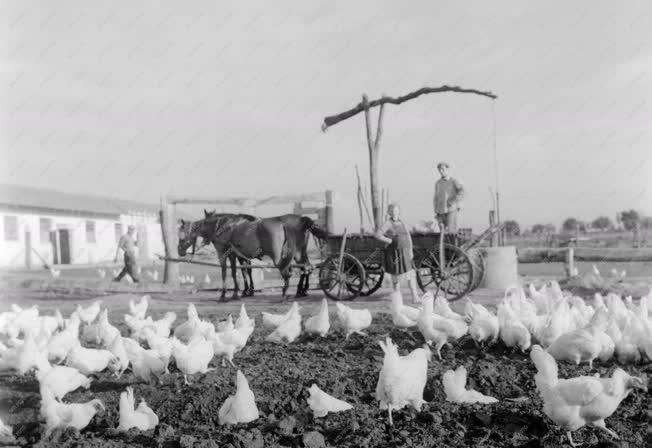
(171, 271)
(328, 211)
(492, 222)
(28, 250)
(570, 262)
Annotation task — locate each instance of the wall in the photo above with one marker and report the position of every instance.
(12, 253)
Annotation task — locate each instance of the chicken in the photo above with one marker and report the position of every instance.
(557, 323)
(194, 357)
(575, 402)
(288, 330)
(455, 388)
(319, 323)
(101, 273)
(100, 332)
(353, 321)
(55, 273)
(426, 326)
(89, 360)
(139, 309)
(136, 326)
(117, 348)
(226, 325)
(193, 326)
(241, 407)
(5, 430)
(50, 324)
(596, 271)
(142, 417)
(321, 403)
(160, 344)
(207, 280)
(163, 326)
(243, 319)
(61, 380)
(403, 316)
(61, 415)
(483, 324)
(512, 332)
(402, 378)
(61, 343)
(237, 337)
(582, 344)
(442, 308)
(222, 349)
(144, 363)
(24, 357)
(89, 314)
(274, 320)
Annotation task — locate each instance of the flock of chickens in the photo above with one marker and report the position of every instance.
(564, 328)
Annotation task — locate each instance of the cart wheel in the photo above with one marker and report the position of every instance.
(373, 279)
(348, 284)
(454, 280)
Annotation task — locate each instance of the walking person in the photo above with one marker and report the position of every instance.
(399, 256)
(447, 200)
(128, 245)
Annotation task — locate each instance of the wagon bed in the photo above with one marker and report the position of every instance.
(361, 269)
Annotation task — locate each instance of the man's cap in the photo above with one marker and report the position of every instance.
(440, 164)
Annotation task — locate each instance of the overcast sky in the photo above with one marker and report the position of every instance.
(141, 99)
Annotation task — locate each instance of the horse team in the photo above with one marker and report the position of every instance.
(239, 238)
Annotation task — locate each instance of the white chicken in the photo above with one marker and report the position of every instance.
(222, 349)
(512, 332)
(575, 402)
(237, 337)
(139, 309)
(136, 326)
(193, 326)
(61, 415)
(160, 344)
(243, 319)
(321, 403)
(455, 388)
(207, 280)
(89, 314)
(5, 430)
(194, 357)
(61, 343)
(144, 363)
(225, 325)
(403, 316)
(583, 344)
(61, 380)
(118, 349)
(483, 324)
(402, 378)
(141, 417)
(89, 360)
(101, 273)
(274, 320)
(319, 323)
(55, 273)
(288, 330)
(442, 308)
(595, 270)
(353, 321)
(24, 357)
(100, 332)
(426, 325)
(163, 326)
(241, 407)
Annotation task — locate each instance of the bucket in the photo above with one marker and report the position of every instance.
(500, 267)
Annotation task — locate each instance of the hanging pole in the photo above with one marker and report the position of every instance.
(495, 148)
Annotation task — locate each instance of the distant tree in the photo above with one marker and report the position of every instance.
(602, 223)
(538, 229)
(572, 224)
(550, 229)
(646, 222)
(630, 219)
(512, 228)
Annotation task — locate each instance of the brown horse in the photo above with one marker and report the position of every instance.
(282, 238)
(188, 233)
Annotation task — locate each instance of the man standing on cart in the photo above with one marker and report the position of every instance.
(448, 196)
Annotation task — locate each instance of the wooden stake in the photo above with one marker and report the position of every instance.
(340, 278)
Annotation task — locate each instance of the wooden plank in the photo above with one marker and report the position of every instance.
(558, 255)
(171, 270)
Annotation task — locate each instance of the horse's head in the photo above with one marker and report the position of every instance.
(208, 214)
(187, 236)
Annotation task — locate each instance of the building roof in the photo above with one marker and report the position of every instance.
(18, 197)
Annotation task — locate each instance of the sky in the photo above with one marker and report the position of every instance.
(138, 100)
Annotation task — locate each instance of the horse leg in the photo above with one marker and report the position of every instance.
(223, 266)
(234, 274)
(245, 281)
(251, 278)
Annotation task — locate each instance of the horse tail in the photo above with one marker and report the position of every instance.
(308, 224)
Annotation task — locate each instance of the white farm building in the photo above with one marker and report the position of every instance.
(63, 228)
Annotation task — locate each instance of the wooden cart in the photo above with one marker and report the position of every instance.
(360, 272)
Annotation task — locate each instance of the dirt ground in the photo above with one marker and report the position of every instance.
(279, 376)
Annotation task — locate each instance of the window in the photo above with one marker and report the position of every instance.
(90, 231)
(11, 228)
(45, 224)
(118, 231)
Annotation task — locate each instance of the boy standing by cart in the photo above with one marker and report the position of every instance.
(448, 196)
